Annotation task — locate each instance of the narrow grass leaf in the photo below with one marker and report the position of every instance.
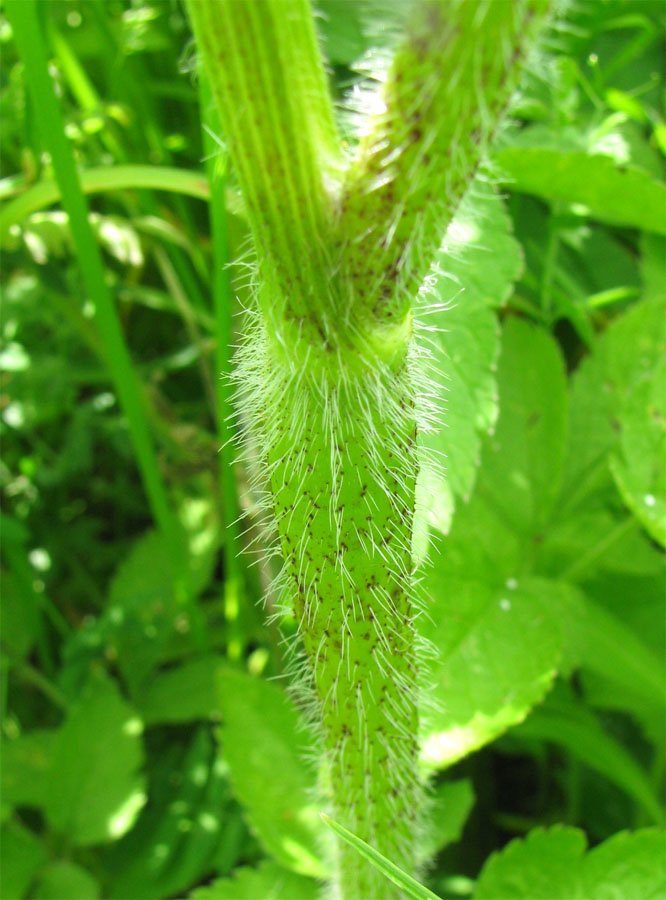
(405, 882)
(100, 180)
(30, 44)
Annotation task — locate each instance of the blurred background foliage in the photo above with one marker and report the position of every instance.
(145, 751)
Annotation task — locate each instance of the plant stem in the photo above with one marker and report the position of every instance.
(27, 33)
(325, 379)
(269, 84)
(216, 166)
(449, 84)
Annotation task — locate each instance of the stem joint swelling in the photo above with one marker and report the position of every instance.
(330, 383)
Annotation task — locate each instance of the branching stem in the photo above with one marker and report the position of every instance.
(328, 376)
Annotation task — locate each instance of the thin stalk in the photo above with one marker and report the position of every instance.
(216, 168)
(175, 289)
(23, 18)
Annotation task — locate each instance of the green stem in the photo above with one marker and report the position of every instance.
(27, 33)
(222, 299)
(268, 80)
(448, 87)
(325, 381)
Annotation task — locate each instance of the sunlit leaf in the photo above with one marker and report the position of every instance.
(21, 856)
(65, 880)
(498, 630)
(95, 790)
(479, 261)
(267, 882)
(265, 745)
(619, 195)
(553, 864)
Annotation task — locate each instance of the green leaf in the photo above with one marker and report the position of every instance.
(639, 468)
(182, 694)
(617, 194)
(27, 34)
(189, 829)
(480, 260)
(18, 622)
(596, 537)
(524, 460)
(265, 746)
(553, 865)
(571, 725)
(142, 611)
(451, 804)
(26, 768)
(624, 357)
(21, 856)
(653, 263)
(498, 654)
(628, 866)
(605, 645)
(410, 886)
(95, 790)
(543, 865)
(64, 880)
(267, 882)
(342, 31)
(106, 178)
(617, 642)
(502, 641)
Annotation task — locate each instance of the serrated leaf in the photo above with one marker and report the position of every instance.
(267, 882)
(553, 865)
(617, 194)
(265, 744)
(480, 259)
(64, 880)
(499, 650)
(96, 790)
(524, 460)
(21, 856)
(624, 357)
(498, 630)
(627, 866)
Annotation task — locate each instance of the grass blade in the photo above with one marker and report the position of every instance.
(405, 882)
(107, 178)
(30, 44)
(222, 299)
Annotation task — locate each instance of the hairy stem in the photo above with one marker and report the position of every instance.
(449, 83)
(328, 374)
(268, 80)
